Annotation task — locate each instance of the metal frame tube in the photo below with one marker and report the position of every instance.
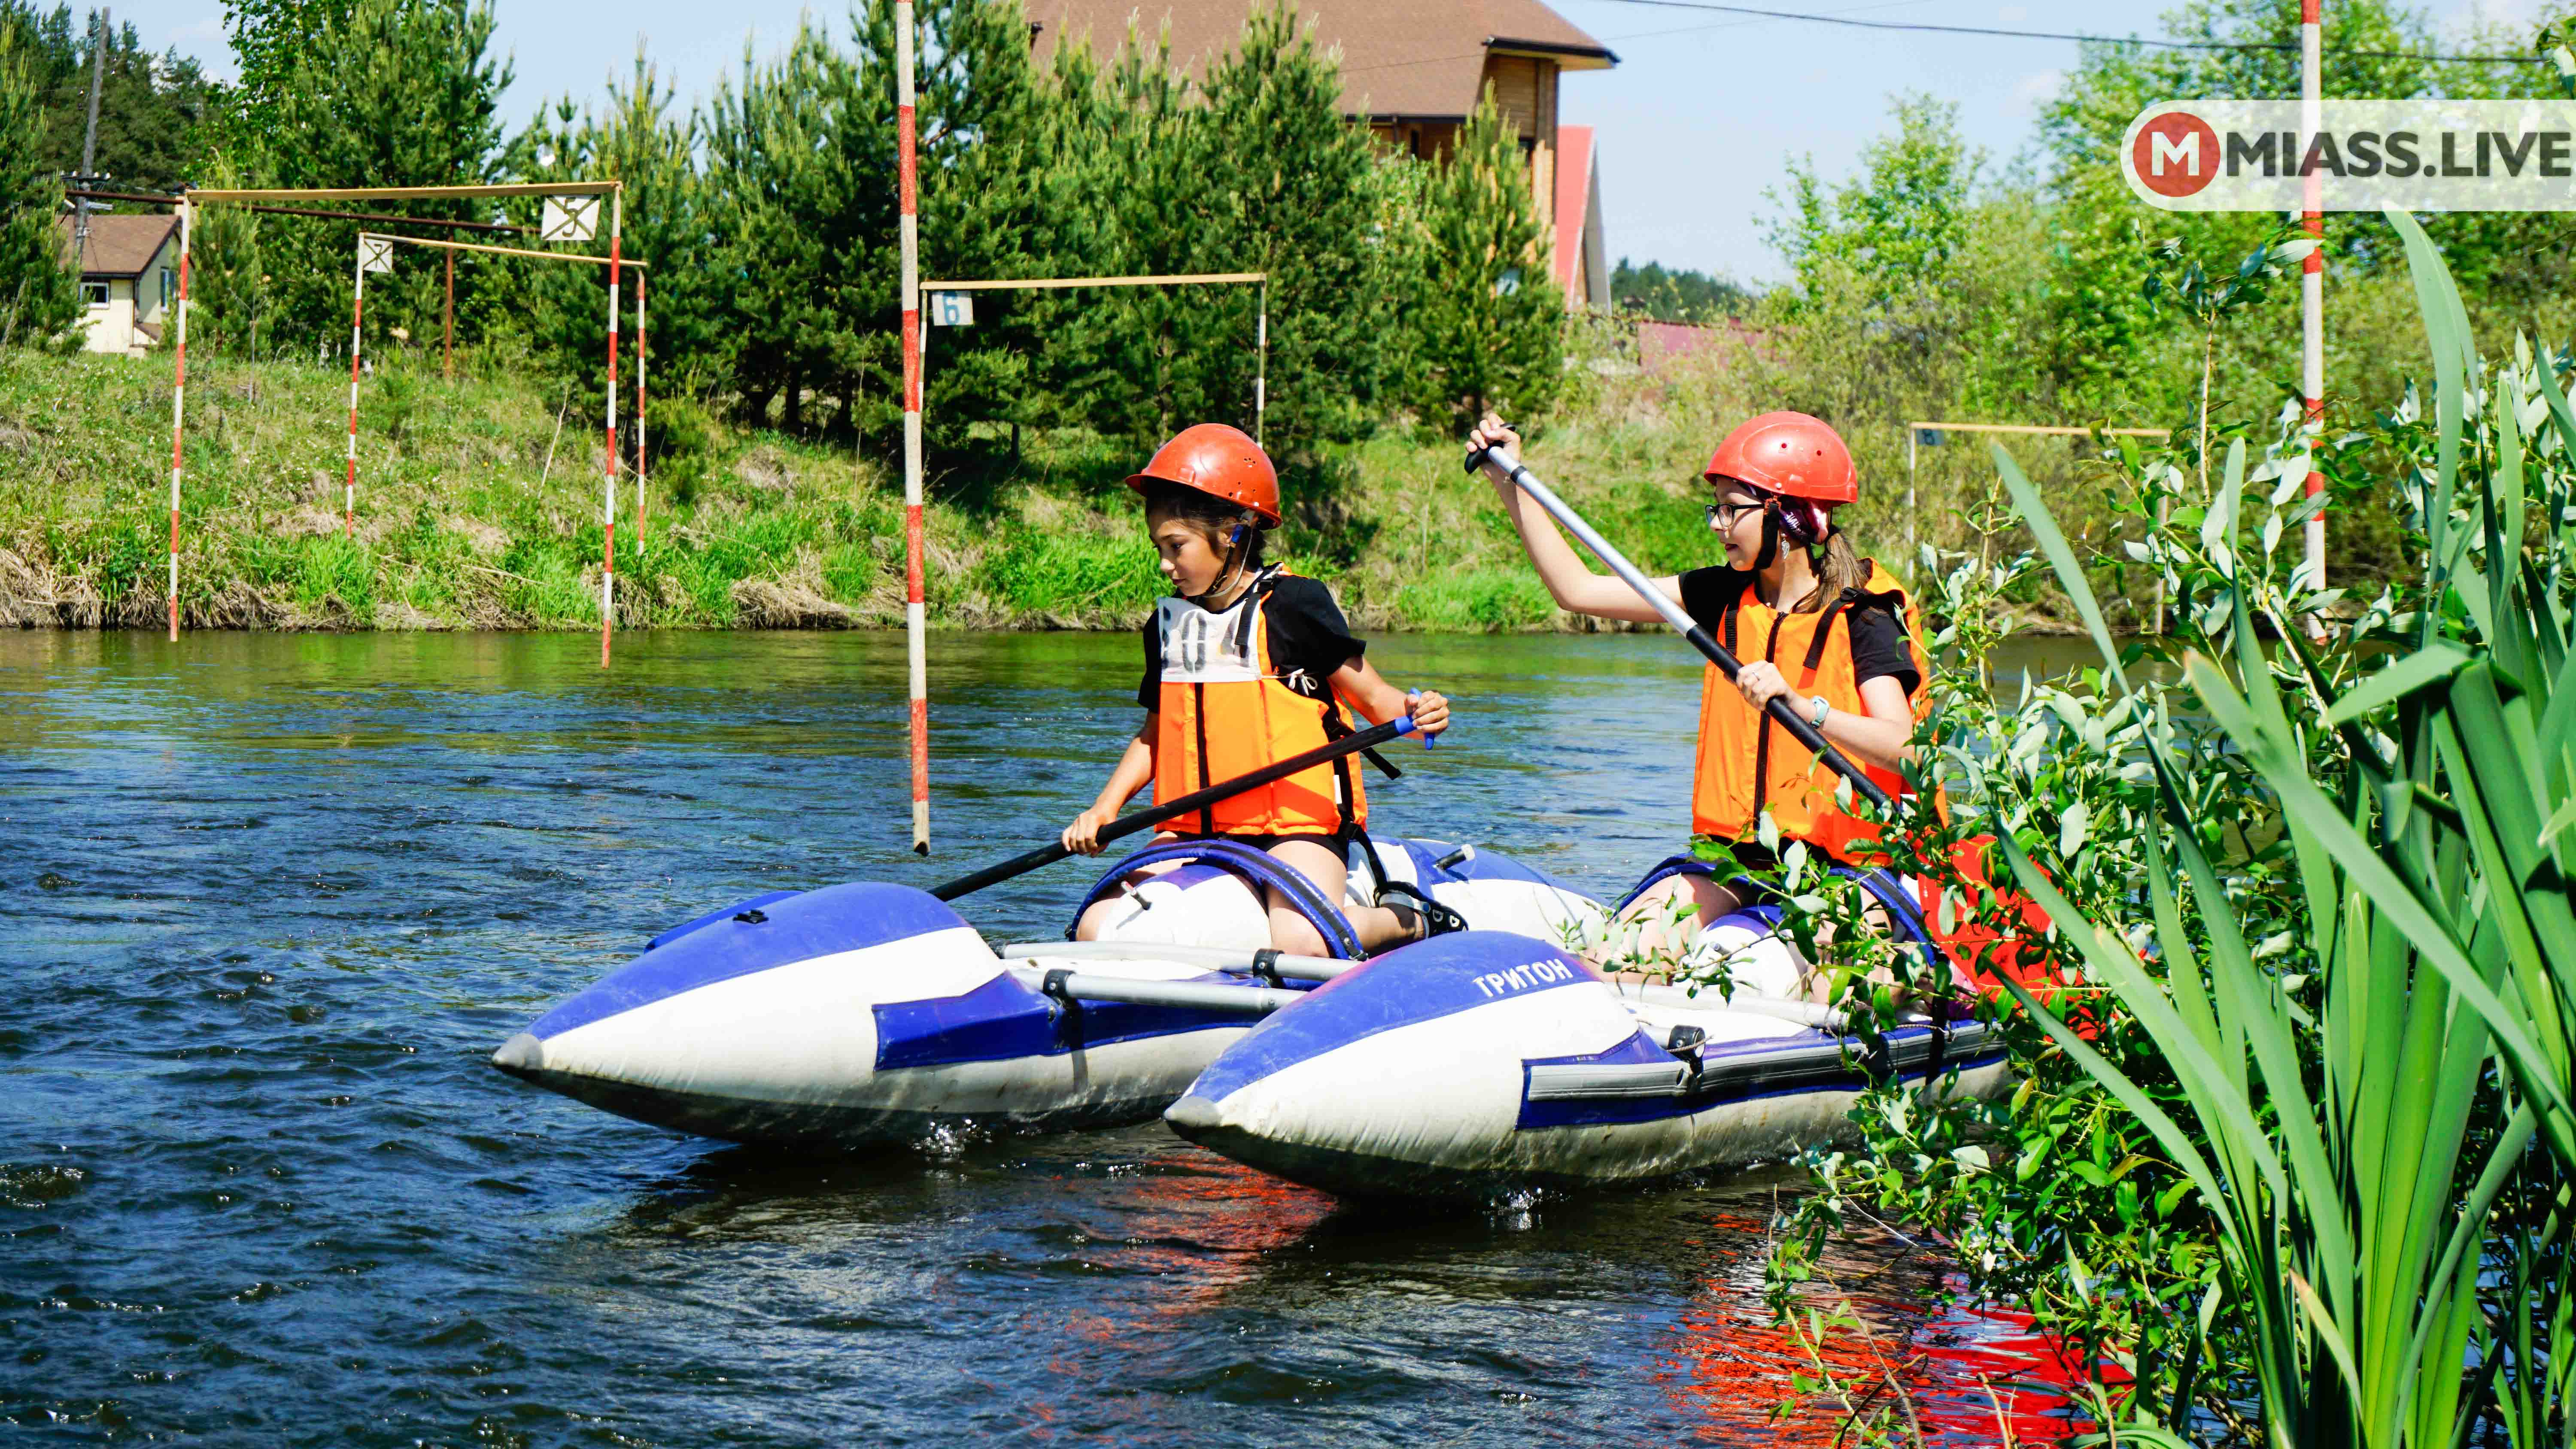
(357, 312)
(1189, 995)
(1223, 958)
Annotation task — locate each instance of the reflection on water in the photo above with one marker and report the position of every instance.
(271, 899)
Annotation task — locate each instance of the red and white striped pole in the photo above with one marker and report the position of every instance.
(357, 312)
(639, 409)
(179, 412)
(908, 227)
(608, 476)
(2312, 279)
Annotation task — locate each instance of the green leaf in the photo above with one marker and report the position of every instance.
(2172, 1196)
(2071, 827)
(2427, 666)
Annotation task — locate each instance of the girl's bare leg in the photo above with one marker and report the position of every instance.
(1657, 928)
(1290, 931)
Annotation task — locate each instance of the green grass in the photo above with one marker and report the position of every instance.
(462, 521)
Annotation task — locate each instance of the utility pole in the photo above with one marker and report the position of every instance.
(89, 144)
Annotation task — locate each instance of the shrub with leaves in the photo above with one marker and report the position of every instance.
(2289, 1164)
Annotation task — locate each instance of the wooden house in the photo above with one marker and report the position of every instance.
(1414, 69)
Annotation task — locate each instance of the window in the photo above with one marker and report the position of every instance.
(94, 293)
(169, 286)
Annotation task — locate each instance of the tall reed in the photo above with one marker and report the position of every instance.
(2377, 1121)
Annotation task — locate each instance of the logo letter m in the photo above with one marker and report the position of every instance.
(2184, 150)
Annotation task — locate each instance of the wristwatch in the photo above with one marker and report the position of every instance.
(1823, 708)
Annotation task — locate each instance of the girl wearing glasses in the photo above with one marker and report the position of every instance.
(1814, 623)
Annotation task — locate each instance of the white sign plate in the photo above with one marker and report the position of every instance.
(375, 254)
(2414, 155)
(569, 219)
(952, 309)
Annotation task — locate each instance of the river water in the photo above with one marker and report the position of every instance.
(271, 900)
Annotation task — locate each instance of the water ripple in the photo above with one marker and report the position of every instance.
(270, 901)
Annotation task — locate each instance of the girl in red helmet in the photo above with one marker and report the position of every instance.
(1247, 664)
(1813, 622)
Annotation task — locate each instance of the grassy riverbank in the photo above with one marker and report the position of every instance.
(474, 512)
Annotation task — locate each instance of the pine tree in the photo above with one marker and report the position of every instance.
(780, 206)
(1254, 170)
(1490, 321)
(227, 273)
(383, 93)
(634, 138)
(978, 111)
(37, 289)
(152, 109)
(1121, 198)
(1293, 197)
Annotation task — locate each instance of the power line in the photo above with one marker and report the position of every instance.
(1983, 30)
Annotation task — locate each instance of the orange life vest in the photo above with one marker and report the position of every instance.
(1748, 764)
(1224, 710)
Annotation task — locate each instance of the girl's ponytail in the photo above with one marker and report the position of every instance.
(1842, 569)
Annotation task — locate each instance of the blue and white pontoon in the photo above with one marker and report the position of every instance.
(1483, 1063)
(873, 1012)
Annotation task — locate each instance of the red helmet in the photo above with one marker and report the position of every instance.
(1790, 454)
(1221, 462)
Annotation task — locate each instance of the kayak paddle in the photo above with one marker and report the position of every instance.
(1126, 825)
(1727, 664)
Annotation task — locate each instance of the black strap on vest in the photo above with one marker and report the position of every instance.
(1851, 596)
(1825, 630)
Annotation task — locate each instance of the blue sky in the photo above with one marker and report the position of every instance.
(1695, 124)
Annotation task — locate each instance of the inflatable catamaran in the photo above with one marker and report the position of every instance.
(872, 1012)
(1470, 1064)
(1483, 1063)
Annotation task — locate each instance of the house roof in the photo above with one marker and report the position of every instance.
(1573, 196)
(121, 244)
(1410, 58)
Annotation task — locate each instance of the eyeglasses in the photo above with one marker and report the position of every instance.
(1722, 516)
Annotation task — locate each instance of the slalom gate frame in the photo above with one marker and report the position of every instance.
(357, 307)
(193, 197)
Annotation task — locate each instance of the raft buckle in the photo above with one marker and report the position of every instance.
(1056, 987)
(1265, 967)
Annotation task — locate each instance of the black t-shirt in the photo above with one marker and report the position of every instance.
(1877, 634)
(1306, 629)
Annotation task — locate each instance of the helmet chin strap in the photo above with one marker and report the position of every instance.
(1771, 531)
(1235, 558)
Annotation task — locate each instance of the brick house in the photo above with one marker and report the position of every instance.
(1414, 69)
(129, 279)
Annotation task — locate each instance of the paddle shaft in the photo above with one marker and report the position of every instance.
(1126, 825)
(1778, 709)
